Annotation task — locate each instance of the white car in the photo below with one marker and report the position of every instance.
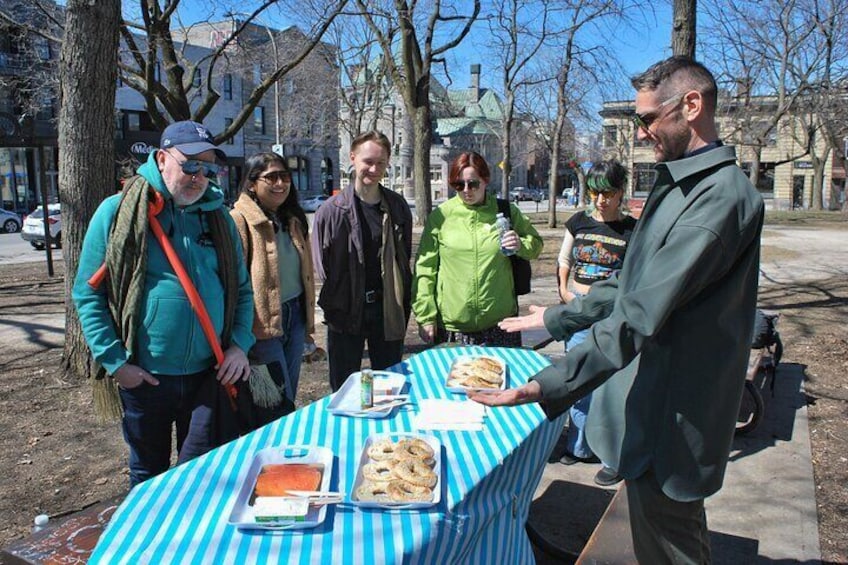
(33, 230)
(313, 202)
(9, 221)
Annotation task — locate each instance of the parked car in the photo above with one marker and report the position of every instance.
(33, 230)
(9, 221)
(313, 202)
(520, 193)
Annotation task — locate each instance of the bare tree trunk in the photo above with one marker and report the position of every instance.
(505, 145)
(88, 71)
(553, 175)
(754, 174)
(422, 131)
(817, 190)
(683, 28)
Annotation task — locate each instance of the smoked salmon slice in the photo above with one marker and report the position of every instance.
(278, 479)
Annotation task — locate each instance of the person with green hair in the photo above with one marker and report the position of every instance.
(592, 250)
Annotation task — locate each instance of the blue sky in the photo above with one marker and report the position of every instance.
(636, 49)
(636, 46)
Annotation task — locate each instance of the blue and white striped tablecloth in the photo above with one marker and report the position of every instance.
(490, 477)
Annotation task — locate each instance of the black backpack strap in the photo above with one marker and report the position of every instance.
(505, 209)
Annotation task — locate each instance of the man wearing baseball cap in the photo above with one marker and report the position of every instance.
(140, 325)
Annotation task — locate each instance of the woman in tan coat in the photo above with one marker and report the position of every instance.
(274, 235)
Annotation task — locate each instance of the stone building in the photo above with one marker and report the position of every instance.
(297, 117)
(28, 108)
(785, 167)
(464, 119)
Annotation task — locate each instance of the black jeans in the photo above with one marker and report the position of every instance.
(344, 351)
(149, 414)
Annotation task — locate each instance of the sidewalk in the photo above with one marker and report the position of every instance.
(766, 510)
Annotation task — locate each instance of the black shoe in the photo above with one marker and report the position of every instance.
(607, 477)
(569, 459)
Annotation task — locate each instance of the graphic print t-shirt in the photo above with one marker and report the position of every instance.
(599, 247)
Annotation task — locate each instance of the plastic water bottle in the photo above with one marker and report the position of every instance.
(40, 522)
(502, 225)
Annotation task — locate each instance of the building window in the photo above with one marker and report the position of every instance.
(765, 177)
(299, 167)
(435, 173)
(610, 136)
(42, 48)
(644, 176)
(133, 121)
(259, 120)
(228, 87)
(157, 71)
(257, 73)
(195, 77)
(227, 123)
(45, 108)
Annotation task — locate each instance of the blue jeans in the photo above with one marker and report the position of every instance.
(150, 412)
(575, 438)
(286, 350)
(294, 340)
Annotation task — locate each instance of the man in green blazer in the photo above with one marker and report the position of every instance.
(670, 334)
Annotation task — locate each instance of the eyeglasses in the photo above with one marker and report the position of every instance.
(193, 166)
(276, 176)
(461, 185)
(606, 193)
(644, 121)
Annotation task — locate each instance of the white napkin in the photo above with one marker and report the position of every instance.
(441, 414)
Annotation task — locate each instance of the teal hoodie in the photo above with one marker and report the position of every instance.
(170, 340)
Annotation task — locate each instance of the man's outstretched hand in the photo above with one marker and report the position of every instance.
(534, 320)
(531, 392)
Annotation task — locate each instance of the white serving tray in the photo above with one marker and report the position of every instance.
(466, 358)
(364, 459)
(346, 400)
(242, 514)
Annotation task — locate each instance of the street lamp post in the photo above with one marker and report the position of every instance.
(276, 87)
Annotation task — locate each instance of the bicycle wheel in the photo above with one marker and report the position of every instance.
(751, 410)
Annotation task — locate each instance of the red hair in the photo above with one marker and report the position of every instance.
(469, 159)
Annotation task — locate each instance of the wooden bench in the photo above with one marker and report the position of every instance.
(69, 539)
(610, 541)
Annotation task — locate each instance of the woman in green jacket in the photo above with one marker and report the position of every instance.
(463, 281)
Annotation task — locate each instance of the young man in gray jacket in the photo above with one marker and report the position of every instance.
(361, 245)
(670, 335)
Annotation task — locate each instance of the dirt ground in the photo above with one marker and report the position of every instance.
(57, 459)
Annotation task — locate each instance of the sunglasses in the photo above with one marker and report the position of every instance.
(461, 185)
(644, 121)
(607, 193)
(276, 176)
(193, 166)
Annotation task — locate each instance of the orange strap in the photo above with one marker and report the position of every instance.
(154, 207)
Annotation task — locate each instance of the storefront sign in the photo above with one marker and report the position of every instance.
(142, 148)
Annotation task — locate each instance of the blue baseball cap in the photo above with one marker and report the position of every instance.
(190, 138)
